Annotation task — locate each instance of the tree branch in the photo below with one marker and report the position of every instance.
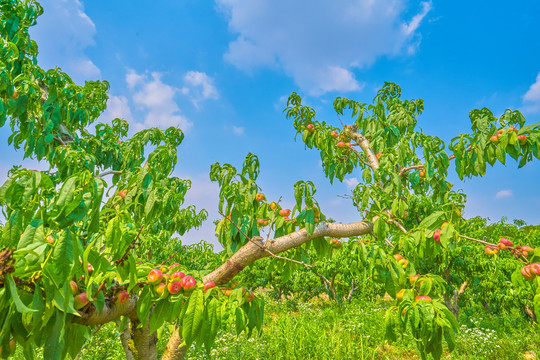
(364, 144)
(405, 169)
(251, 252)
(116, 172)
(110, 312)
(257, 240)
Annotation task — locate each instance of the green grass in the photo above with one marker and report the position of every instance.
(355, 331)
(322, 330)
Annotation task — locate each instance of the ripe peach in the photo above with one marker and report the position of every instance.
(209, 285)
(155, 276)
(122, 298)
(74, 287)
(174, 287)
(80, 301)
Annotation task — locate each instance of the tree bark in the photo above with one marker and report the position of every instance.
(530, 313)
(125, 338)
(110, 312)
(174, 350)
(251, 252)
(143, 343)
(349, 297)
(452, 302)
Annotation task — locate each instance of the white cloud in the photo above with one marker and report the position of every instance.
(156, 98)
(503, 194)
(411, 27)
(117, 107)
(532, 97)
(351, 183)
(199, 86)
(63, 33)
(319, 44)
(133, 79)
(238, 130)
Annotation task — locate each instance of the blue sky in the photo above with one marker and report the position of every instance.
(222, 72)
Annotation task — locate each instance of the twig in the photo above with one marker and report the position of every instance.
(388, 242)
(342, 124)
(477, 240)
(116, 172)
(359, 157)
(124, 257)
(353, 288)
(405, 169)
(510, 249)
(98, 290)
(397, 223)
(462, 288)
(60, 139)
(265, 248)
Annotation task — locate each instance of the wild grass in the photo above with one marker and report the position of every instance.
(320, 329)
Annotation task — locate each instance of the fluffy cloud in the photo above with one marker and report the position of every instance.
(156, 100)
(351, 183)
(199, 86)
(503, 194)
(532, 97)
(117, 107)
(238, 130)
(319, 43)
(63, 32)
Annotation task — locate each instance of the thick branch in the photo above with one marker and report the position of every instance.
(364, 144)
(109, 313)
(251, 252)
(144, 342)
(257, 240)
(125, 337)
(174, 351)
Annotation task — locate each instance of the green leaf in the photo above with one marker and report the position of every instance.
(240, 320)
(536, 303)
(150, 203)
(55, 341)
(67, 193)
(132, 273)
(15, 296)
(193, 317)
(144, 305)
(501, 154)
(159, 315)
(76, 337)
(32, 234)
(430, 221)
(63, 258)
(211, 324)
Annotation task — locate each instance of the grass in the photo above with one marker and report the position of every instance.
(320, 329)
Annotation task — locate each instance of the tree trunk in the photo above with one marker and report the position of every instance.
(143, 343)
(349, 297)
(125, 338)
(174, 351)
(530, 313)
(452, 302)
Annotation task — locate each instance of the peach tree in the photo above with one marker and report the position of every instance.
(92, 239)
